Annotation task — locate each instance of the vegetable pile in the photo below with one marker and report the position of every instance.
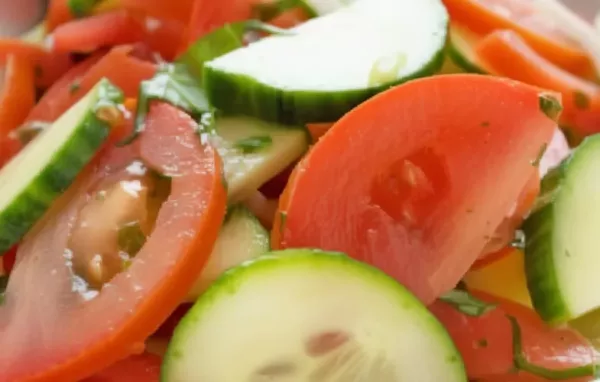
(300, 190)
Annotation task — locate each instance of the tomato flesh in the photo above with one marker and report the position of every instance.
(409, 206)
(139, 368)
(56, 333)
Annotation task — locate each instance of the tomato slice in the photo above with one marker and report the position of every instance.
(505, 53)
(388, 183)
(485, 342)
(138, 368)
(119, 66)
(58, 334)
(521, 16)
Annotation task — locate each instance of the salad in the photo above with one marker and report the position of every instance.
(300, 191)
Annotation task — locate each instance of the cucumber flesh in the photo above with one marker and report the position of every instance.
(324, 7)
(461, 50)
(562, 241)
(330, 64)
(242, 238)
(246, 171)
(47, 166)
(307, 315)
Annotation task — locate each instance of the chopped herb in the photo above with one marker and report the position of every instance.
(172, 84)
(253, 144)
(469, 210)
(521, 363)
(82, 8)
(266, 11)
(550, 106)
(75, 86)
(465, 303)
(3, 284)
(27, 132)
(283, 219)
(482, 343)
(582, 101)
(39, 72)
(572, 137)
(518, 240)
(485, 124)
(540, 155)
(131, 239)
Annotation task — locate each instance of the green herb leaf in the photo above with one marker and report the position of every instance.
(131, 239)
(270, 10)
(172, 84)
(550, 106)
(82, 8)
(253, 144)
(540, 155)
(27, 132)
(462, 301)
(582, 101)
(521, 362)
(75, 86)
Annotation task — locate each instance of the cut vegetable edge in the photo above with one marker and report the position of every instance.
(275, 95)
(242, 238)
(561, 263)
(461, 52)
(306, 312)
(34, 178)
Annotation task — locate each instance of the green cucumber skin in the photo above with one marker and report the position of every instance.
(462, 62)
(238, 94)
(540, 264)
(56, 177)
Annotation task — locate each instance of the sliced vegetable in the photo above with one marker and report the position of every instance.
(122, 69)
(138, 368)
(345, 321)
(246, 170)
(528, 20)
(324, 7)
(88, 34)
(507, 54)
(461, 49)
(503, 277)
(81, 8)
(17, 93)
(467, 304)
(87, 330)
(53, 160)
(268, 78)
(560, 261)
(179, 10)
(241, 238)
(490, 347)
(403, 204)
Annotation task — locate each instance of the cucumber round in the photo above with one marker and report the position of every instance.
(47, 166)
(562, 240)
(330, 64)
(242, 238)
(461, 52)
(306, 315)
(324, 7)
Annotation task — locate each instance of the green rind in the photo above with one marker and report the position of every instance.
(541, 266)
(29, 206)
(277, 261)
(240, 94)
(458, 57)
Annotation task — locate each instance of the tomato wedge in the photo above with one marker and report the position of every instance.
(485, 16)
(124, 70)
(486, 342)
(505, 53)
(138, 368)
(56, 334)
(408, 206)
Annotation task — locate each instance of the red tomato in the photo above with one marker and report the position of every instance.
(521, 16)
(8, 259)
(485, 342)
(138, 368)
(409, 206)
(58, 330)
(118, 65)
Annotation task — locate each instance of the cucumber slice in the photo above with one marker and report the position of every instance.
(328, 65)
(32, 180)
(461, 52)
(242, 238)
(562, 241)
(254, 151)
(325, 7)
(307, 315)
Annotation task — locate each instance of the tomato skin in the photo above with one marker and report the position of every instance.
(485, 342)
(345, 197)
(78, 337)
(139, 368)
